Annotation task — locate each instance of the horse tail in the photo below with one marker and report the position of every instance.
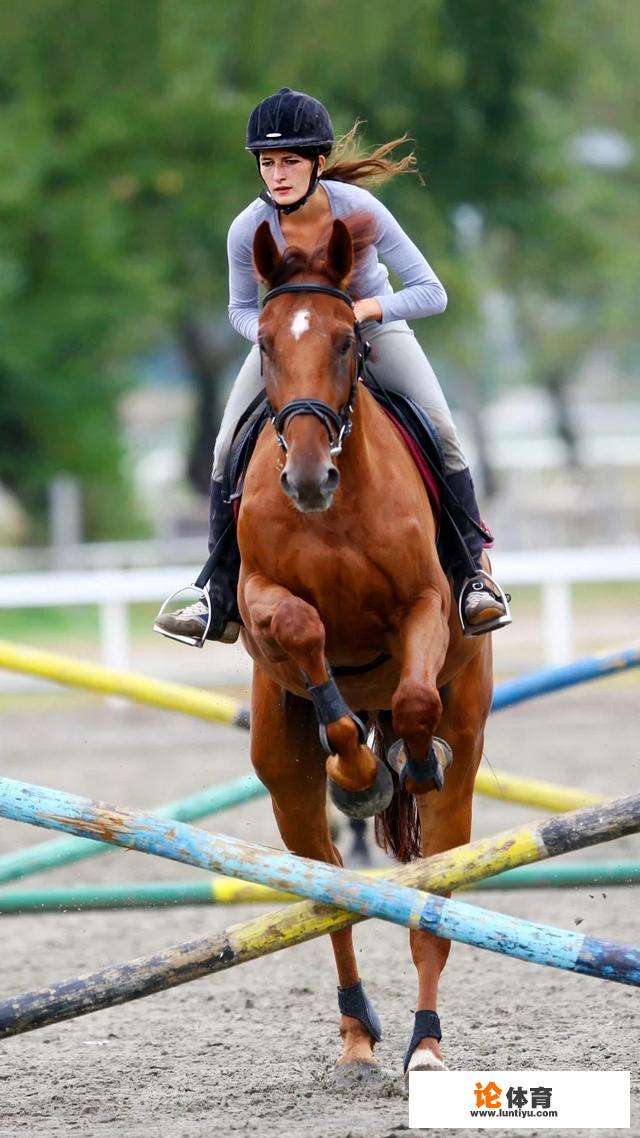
(397, 829)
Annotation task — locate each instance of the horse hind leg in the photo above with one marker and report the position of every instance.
(359, 784)
(286, 754)
(445, 823)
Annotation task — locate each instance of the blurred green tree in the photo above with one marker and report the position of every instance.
(118, 176)
(122, 166)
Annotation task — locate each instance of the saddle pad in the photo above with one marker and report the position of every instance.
(421, 463)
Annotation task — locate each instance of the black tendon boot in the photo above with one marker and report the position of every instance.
(215, 615)
(482, 604)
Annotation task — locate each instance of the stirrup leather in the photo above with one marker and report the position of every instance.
(487, 625)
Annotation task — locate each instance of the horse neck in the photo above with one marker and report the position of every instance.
(358, 454)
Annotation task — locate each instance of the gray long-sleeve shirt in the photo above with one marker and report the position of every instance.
(422, 295)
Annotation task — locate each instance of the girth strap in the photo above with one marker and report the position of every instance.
(360, 669)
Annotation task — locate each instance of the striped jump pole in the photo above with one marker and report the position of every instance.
(298, 923)
(226, 891)
(65, 851)
(56, 852)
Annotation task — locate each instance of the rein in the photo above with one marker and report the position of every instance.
(336, 423)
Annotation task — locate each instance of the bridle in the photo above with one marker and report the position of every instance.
(336, 423)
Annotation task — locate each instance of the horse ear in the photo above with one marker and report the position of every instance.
(266, 256)
(340, 252)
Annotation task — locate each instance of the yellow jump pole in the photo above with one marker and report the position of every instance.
(94, 677)
(533, 792)
(219, 708)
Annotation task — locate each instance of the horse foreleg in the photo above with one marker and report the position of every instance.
(287, 756)
(446, 822)
(416, 705)
(289, 627)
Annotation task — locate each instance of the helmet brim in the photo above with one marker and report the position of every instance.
(289, 144)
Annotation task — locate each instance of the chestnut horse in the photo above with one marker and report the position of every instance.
(340, 570)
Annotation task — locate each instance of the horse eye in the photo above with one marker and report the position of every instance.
(347, 346)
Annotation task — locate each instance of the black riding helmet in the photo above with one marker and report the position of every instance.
(290, 120)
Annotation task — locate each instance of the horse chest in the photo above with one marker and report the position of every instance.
(348, 586)
(358, 569)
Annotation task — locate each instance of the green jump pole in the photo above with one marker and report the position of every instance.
(572, 875)
(217, 891)
(140, 895)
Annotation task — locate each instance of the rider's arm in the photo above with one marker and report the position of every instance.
(244, 307)
(423, 294)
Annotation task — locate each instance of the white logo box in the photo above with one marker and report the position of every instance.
(571, 1100)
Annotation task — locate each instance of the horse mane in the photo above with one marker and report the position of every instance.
(363, 229)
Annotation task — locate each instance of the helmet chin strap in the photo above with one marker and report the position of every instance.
(313, 185)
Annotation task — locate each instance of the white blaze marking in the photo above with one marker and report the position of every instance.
(300, 323)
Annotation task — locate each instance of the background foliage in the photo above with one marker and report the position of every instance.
(122, 165)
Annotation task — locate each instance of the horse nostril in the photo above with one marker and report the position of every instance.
(332, 480)
(288, 486)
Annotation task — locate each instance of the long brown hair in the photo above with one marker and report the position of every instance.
(353, 164)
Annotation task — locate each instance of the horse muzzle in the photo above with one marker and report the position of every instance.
(310, 492)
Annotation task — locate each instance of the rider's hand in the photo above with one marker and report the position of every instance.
(367, 309)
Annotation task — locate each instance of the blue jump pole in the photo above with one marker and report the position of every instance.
(553, 679)
(455, 920)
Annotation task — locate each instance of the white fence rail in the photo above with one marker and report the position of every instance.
(554, 571)
(97, 555)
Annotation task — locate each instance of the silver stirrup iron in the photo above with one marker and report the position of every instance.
(203, 597)
(489, 625)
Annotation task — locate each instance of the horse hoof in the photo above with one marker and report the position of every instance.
(361, 1073)
(422, 1061)
(364, 803)
(425, 1061)
(424, 776)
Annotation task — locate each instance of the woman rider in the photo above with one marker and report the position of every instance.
(291, 136)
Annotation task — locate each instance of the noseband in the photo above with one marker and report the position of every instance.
(336, 423)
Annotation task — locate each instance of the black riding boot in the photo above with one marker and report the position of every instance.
(190, 624)
(223, 584)
(482, 603)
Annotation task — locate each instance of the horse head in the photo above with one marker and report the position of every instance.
(311, 353)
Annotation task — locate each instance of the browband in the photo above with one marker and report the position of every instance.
(338, 293)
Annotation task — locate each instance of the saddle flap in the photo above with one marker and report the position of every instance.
(243, 444)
